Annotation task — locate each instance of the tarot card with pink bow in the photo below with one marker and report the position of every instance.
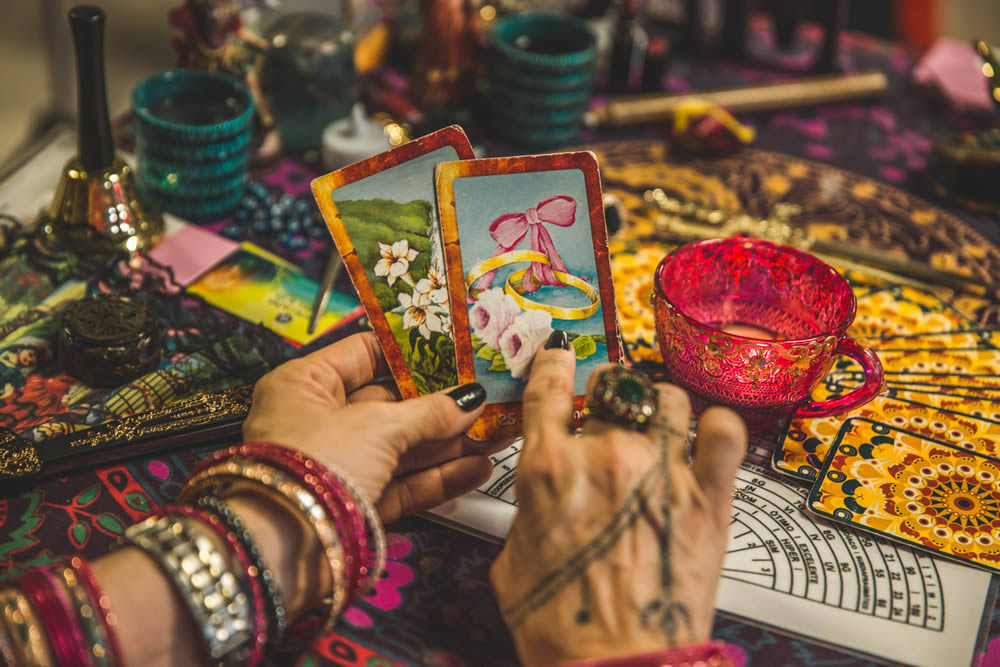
(533, 257)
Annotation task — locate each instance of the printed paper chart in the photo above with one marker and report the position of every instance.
(803, 575)
(773, 543)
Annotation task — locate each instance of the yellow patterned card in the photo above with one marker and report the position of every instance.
(913, 489)
(900, 310)
(968, 421)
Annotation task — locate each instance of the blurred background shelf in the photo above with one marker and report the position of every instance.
(36, 67)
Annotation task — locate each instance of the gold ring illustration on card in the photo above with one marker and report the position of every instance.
(517, 293)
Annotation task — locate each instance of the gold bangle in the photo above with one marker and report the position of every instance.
(25, 630)
(516, 256)
(235, 473)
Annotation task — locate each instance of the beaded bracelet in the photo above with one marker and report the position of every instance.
(232, 475)
(249, 582)
(198, 571)
(24, 630)
(101, 606)
(56, 619)
(277, 617)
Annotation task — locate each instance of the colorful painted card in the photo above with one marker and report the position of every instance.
(966, 422)
(913, 489)
(526, 252)
(381, 213)
(263, 288)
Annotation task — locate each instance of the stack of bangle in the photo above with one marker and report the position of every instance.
(336, 510)
(58, 615)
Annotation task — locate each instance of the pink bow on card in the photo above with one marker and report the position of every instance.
(510, 229)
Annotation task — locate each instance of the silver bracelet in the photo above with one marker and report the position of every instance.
(214, 595)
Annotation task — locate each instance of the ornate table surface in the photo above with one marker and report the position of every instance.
(852, 168)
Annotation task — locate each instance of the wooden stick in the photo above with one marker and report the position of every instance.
(805, 92)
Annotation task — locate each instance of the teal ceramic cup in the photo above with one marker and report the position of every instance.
(193, 141)
(540, 70)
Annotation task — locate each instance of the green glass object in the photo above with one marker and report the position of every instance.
(308, 74)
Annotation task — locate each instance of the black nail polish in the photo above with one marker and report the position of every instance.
(557, 339)
(468, 396)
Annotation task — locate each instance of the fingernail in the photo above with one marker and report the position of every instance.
(557, 339)
(468, 396)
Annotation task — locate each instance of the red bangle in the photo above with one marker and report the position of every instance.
(321, 483)
(256, 592)
(302, 466)
(56, 618)
(101, 604)
(707, 654)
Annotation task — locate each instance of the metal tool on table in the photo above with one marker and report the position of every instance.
(688, 220)
(334, 266)
(96, 206)
(202, 420)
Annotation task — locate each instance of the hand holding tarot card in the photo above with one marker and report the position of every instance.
(532, 256)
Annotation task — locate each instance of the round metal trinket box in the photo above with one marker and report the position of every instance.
(107, 340)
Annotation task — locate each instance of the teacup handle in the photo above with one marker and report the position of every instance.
(871, 387)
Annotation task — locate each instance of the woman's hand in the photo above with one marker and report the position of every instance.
(407, 456)
(618, 541)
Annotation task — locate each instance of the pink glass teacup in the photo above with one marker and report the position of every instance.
(756, 326)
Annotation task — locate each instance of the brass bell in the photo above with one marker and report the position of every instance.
(96, 206)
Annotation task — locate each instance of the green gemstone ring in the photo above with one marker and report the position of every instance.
(625, 397)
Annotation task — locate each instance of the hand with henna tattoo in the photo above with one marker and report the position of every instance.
(618, 542)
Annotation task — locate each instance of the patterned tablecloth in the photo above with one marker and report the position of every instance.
(851, 168)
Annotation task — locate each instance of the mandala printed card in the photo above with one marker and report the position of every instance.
(526, 252)
(913, 489)
(901, 310)
(941, 369)
(381, 213)
(805, 443)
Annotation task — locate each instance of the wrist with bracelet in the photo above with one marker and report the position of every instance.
(59, 615)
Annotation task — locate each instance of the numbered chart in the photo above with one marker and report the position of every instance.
(501, 483)
(773, 543)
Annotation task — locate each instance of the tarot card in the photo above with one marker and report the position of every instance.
(947, 340)
(969, 423)
(944, 380)
(903, 310)
(526, 251)
(913, 489)
(263, 288)
(971, 339)
(381, 213)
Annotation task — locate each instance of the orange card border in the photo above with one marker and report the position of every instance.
(503, 420)
(322, 189)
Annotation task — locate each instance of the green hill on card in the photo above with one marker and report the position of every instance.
(370, 221)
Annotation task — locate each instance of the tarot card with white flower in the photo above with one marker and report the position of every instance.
(381, 213)
(526, 252)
